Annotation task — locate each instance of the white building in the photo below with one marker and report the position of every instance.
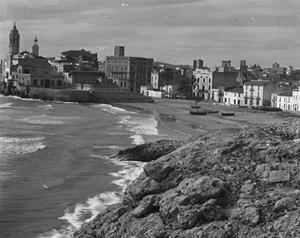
(202, 83)
(154, 79)
(258, 93)
(145, 90)
(234, 97)
(288, 101)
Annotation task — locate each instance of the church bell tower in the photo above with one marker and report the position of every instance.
(14, 41)
(35, 47)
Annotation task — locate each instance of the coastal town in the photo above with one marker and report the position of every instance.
(121, 77)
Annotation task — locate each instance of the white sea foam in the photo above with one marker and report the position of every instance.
(140, 126)
(46, 120)
(111, 147)
(47, 107)
(111, 109)
(63, 102)
(25, 99)
(10, 146)
(85, 212)
(5, 105)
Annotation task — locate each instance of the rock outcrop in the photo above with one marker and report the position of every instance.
(149, 151)
(213, 187)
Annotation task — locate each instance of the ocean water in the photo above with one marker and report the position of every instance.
(56, 170)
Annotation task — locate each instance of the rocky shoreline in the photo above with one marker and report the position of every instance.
(216, 186)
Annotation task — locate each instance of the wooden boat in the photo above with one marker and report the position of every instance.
(227, 113)
(195, 106)
(198, 112)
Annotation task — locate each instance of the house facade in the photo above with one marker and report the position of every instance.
(202, 83)
(258, 93)
(234, 97)
(129, 73)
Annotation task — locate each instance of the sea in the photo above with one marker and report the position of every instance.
(57, 169)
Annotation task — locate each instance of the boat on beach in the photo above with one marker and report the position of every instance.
(227, 113)
(198, 112)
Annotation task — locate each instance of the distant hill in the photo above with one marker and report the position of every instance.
(156, 64)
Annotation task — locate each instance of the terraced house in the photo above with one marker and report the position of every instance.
(257, 93)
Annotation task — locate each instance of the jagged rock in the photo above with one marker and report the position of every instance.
(262, 171)
(217, 229)
(279, 176)
(247, 187)
(142, 187)
(214, 187)
(285, 203)
(150, 151)
(148, 205)
(288, 225)
(158, 170)
(148, 227)
(202, 189)
(251, 215)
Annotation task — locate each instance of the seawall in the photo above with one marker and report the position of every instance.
(84, 96)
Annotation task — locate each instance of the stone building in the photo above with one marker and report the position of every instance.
(129, 73)
(25, 69)
(35, 47)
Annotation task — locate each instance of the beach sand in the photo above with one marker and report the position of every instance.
(188, 126)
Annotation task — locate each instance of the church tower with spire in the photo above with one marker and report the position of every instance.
(14, 41)
(35, 47)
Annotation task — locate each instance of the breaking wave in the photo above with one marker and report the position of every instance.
(5, 105)
(113, 110)
(86, 212)
(46, 120)
(140, 126)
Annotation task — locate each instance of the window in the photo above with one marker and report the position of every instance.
(59, 82)
(234, 101)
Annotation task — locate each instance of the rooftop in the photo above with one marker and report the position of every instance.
(235, 90)
(258, 82)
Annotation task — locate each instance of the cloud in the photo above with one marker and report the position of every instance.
(170, 30)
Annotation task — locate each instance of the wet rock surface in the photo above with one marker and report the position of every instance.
(214, 187)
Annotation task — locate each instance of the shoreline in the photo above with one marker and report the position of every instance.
(194, 126)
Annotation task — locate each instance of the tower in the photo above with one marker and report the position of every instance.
(119, 51)
(35, 47)
(14, 41)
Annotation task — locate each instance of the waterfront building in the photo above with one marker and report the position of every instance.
(82, 60)
(234, 96)
(202, 83)
(36, 72)
(287, 100)
(220, 82)
(154, 79)
(258, 93)
(129, 73)
(86, 80)
(148, 91)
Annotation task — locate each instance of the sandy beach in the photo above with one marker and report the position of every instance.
(190, 126)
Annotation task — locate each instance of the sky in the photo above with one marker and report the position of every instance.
(174, 31)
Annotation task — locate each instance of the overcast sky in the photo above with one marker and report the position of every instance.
(176, 31)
